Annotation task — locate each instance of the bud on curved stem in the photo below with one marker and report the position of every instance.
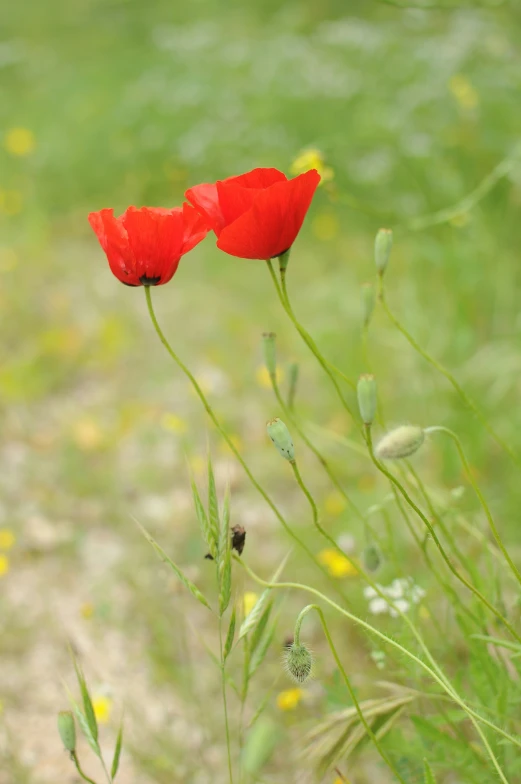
(280, 435)
(382, 249)
(366, 392)
(401, 442)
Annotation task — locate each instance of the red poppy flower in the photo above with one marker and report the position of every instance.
(144, 246)
(256, 215)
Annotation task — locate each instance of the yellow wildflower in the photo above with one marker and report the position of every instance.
(465, 94)
(289, 699)
(424, 613)
(263, 377)
(87, 434)
(197, 464)
(249, 601)
(11, 202)
(173, 423)
(4, 564)
(325, 225)
(102, 708)
(312, 159)
(336, 563)
(87, 610)
(334, 504)
(7, 538)
(19, 142)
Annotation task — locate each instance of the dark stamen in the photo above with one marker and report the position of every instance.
(146, 281)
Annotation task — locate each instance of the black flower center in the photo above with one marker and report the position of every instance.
(146, 281)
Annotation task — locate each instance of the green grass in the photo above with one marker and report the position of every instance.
(130, 103)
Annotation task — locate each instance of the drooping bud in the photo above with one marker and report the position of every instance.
(372, 558)
(67, 730)
(280, 435)
(270, 353)
(368, 302)
(366, 391)
(382, 249)
(298, 661)
(401, 442)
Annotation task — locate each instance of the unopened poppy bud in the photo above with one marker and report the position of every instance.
(298, 661)
(368, 302)
(270, 353)
(67, 730)
(372, 558)
(401, 442)
(280, 435)
(382, 249)
(366, 391)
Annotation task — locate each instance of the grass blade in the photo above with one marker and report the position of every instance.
(230, 636)
(194, 590)
(206, 529)
(117, 752)
(213, 506)
(429, 775)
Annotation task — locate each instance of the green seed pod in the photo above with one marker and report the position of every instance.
(382, 249)
(372, 558)
(298, 661)
(280, 435)
(400, 442)
(366, 391)
(368, 302)
(270, 353)
(67, 730)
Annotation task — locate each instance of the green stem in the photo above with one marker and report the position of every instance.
(200, 394)
(295, 424)
(347, 682)
(375, 586)
(444, 684)
(225, 703)
(475, 487)
(434, 536)
(448, 375)
(76, 761)
(328, 368)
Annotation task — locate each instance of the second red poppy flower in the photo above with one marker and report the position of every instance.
(256, 215)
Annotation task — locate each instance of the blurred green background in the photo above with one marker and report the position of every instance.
(106, 104)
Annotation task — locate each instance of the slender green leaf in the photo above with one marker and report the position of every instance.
(261, 650)
(230, 636)
(117, 752)
(253, 618)
(196, 593)
(512, 646)
(84, 725)
(259, 629)
(213, 506)
(429, 775)
(207, 531)
(88, 708)
(224, 562)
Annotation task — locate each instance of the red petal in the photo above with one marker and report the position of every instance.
(257, 178)
(155, 237)
(114, 241)
(205, 199)
(195, 228)
(272, 224)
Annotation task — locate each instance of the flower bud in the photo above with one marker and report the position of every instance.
(382, 249)
(368, 302)
(67, 730)
(366, 391)
(270, 353)
(372, 558)
(280, 435)
(298, 661)
(400, 442)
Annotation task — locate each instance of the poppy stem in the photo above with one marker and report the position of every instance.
(448, 375)
(287, 528)
(403, 492)
(308, 340)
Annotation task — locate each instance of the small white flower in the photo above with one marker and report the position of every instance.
(401, 605)
(378, 606)
(369, 592)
